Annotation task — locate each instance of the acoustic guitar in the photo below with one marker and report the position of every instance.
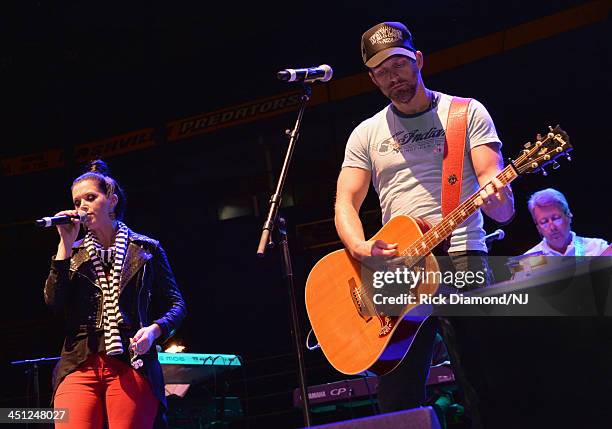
(352, 332)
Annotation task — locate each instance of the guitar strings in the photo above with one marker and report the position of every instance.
(438, 233)
(459, 214)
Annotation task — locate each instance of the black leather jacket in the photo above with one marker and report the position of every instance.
(148, 294)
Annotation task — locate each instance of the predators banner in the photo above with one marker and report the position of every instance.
(117, 145)
(337, 89)
(247, 112)
(34, 162)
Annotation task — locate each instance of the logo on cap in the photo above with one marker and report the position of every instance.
(386, 35)
(386, 39)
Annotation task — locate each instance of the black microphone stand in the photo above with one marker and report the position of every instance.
(266, 241)
(31, 373)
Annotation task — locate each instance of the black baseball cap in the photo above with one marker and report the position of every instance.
(384, 40)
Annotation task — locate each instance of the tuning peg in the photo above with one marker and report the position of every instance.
(555, 165)
(527, 145)
(569, 158)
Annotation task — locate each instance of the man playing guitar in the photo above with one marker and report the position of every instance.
(400, 149)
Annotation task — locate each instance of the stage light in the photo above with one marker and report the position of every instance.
(174, 348)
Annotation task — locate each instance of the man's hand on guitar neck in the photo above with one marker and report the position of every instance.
(364, 249)
(497, 201)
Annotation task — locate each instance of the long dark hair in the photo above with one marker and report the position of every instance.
(98, 171)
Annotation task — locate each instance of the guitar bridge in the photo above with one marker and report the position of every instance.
(386, 322)
(360, 305)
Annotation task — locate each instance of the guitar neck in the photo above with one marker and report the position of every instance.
(442, 230)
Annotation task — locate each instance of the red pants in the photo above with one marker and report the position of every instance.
(102, 388)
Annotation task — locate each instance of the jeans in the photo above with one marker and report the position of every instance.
(404, 387)
(104, 388)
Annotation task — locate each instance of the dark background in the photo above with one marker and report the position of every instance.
(73, 72)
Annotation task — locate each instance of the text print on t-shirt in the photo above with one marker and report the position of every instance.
(406, 141)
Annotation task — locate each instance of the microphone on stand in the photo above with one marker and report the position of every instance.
(312, 74)
(498, 234)
(48, 221)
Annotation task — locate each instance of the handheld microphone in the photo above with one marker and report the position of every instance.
(48, 221)
(498, 234)
(322, 73)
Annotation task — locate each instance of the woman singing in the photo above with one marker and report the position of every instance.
(119, 297)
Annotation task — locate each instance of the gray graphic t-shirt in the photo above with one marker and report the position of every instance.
(404, 154)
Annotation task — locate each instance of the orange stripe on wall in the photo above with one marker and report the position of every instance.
(124, 143)
(338, 89)
(560, 22)
(53, 158)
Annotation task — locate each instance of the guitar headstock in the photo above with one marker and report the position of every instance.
(536, 156)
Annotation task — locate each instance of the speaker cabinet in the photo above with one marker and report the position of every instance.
(421, 418)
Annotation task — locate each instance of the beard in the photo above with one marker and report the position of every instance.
(403, 92)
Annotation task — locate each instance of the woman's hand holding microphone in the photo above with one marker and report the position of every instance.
(68, 234)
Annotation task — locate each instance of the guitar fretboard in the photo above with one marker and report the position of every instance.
(460, 214)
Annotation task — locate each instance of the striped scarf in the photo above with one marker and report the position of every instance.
(110, 292)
